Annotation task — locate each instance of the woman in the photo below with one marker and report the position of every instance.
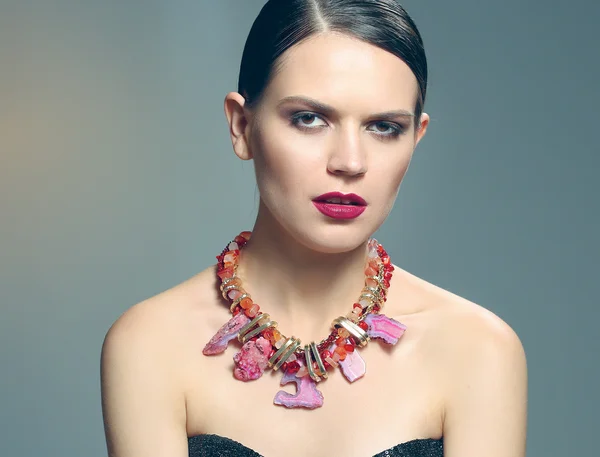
(330, 109)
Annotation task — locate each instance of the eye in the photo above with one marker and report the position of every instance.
(387, 129)
(307, 120)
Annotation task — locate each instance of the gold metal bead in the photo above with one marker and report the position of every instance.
(250, 325)
(237, 301)
(226, 289)
(256, 331)
(309, 365)
(368, 296)
(287, 354)
(226, 281)
(263, 321)
(284, 352)
(358, 333)
(379, 279)
(318, 359)
(376, 292)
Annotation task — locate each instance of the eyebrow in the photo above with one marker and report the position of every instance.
(322, 107)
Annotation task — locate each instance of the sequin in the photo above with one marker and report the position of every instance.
(220, 446)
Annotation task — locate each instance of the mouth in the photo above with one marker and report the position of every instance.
(336, 205)
(338, 198)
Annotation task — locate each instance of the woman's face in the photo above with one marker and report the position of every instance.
(337, 117)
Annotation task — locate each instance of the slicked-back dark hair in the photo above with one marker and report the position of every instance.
(282, 24)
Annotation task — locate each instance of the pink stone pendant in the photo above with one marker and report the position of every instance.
(385, 328)
(307, 395)
(251, 361)
(353, 366)
(218, 343)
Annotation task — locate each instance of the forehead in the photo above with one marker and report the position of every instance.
(346, 73)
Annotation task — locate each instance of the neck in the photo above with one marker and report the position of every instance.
(302, 289)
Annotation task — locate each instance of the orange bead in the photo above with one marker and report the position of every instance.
(230, 257)
(276, 336)
(252, 311)
(341, 352)
(340, 341)
(246, 303)
(375, 264)
(370, 271)
(225, 273)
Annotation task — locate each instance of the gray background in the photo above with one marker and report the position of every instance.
(112, 150)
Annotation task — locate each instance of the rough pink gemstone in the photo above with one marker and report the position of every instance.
(218, 343)
(307, 395)
(385, 328)
(353, 366)
(251, 361)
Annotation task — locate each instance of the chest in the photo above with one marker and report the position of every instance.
(398, 399)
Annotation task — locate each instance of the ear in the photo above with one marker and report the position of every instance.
(422, 128)
(238, 125)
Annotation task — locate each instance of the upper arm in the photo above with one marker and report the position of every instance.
(486, 410)
(144, 412)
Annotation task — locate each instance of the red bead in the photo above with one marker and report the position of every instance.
(284, 366)
(237, 310)
(325, 354)
(340, 341)
(225, 273)
(363, 325)
(349, 347)
(292, 367)
(357, 305)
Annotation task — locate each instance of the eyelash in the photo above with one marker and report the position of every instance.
(397, 129)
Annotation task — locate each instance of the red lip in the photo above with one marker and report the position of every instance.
(354, 199)
(339, 210)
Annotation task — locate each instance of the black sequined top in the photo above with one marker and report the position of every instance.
(219, 446)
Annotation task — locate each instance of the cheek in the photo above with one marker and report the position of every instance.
(388, 174)
(281, 163)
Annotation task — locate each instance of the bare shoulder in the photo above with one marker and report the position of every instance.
(463, 328)
(482, 372)
(143, 369)
(160, 322)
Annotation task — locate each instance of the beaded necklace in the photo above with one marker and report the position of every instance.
(264, 346)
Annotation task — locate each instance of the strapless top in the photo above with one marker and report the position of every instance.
(211, 445)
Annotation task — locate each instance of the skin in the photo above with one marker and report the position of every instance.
(458, 372)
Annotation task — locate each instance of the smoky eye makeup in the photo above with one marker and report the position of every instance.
(311, 121)
(307, 120)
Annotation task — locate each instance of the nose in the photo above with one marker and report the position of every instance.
(347, 156)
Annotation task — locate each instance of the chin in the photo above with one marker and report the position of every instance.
(331, 238)
(321, 234)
